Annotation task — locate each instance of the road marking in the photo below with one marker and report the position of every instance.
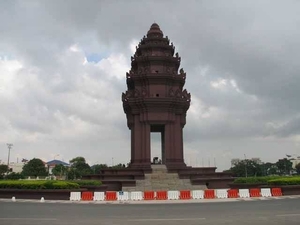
(41, 219)
(166, 219)
(289, 215)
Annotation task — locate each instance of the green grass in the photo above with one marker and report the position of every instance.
(37, 184)
(253, 180)
(267, 180)
(87, 182)
(285, 181)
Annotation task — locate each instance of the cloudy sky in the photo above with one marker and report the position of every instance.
(63, 66)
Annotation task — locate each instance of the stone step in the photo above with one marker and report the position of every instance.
(160, 179)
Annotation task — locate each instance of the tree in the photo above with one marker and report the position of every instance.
(298, 168)
(246, 167)
(284, 166)
(79, 167)
(77, 160)
(269, 169)
(118, 166)
(3, 169)
(59, 170)
(34, 167)
(96, 168)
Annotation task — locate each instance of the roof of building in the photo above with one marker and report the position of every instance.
(57, 162)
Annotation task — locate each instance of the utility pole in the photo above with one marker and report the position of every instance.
(9, 145)
(246, 172)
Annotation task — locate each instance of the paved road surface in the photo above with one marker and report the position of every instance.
(275, 212)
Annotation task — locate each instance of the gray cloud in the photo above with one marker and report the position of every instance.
(241, 59)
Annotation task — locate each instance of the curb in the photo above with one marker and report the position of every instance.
(145, 202)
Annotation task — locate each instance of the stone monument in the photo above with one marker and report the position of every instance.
(155, 100)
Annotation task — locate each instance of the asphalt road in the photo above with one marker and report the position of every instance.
(274, 212)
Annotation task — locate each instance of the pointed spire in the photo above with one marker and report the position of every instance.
(155, 31)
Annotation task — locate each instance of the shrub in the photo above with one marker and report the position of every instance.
(285, 181)
(65, 185)
(87, 182)
(253, 180)
(14, 176)
(26, 184)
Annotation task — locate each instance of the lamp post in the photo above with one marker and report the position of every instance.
(246, 172)
(9, 145)
(95, 166)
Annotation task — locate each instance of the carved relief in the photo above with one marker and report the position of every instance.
(129, 94)
(171, 93)
(178, 94)
(144, 91)
(136, 93)
(124, 97)
(186, 95)
(168, 69)
(146, 69)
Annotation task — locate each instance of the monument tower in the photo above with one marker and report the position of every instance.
(155, 100)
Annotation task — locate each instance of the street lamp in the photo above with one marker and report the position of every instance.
(246, 172)
(9, 145)
(95, 166)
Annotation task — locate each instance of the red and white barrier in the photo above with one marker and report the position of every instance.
(175, 195)
(136, 195)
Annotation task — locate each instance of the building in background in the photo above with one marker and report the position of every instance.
(16, 167)
(237, 160)
(51, 164)
(295, 162)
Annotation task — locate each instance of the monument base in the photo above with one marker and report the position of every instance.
(159, 176)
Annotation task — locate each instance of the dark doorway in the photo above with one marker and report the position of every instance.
(157, 147)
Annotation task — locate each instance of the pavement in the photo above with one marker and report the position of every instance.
(159, 201)
(215, 212)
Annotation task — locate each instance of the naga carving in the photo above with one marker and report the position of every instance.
(186, 95)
